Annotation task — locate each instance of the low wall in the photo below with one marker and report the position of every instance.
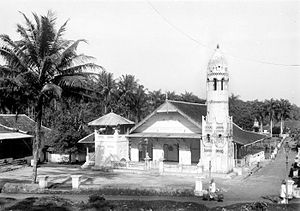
(255, 158)
(64, 158)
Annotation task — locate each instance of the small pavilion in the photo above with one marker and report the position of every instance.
(108, 142)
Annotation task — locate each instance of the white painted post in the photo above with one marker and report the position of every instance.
(43, 181)
(200, 167)
(76, 181)
(161, 166)
(199, 186)
(87, 158)
(147, 161)
(134, 152)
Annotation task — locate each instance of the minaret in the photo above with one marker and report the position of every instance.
(217, 88)
(217, 146)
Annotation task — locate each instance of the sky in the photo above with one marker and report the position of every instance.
(167, 44)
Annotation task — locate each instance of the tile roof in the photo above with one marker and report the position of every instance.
(194, 113)
(20, 123)
(245, 137)
(110, 119)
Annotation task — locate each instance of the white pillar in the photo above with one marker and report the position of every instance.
(199, 186)
(134, 152)
(158, 151)
(87, 158)
(75, 181)
(161, 166)
(184, 153)
(43, 181)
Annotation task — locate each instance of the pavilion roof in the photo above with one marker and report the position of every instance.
(110, 119)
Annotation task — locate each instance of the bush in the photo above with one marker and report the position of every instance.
(276, 130)
(98, 202)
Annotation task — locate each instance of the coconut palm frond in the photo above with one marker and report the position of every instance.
(81, 58)
(29, 24)
(71, 81)
(11, 58)
(72, 48)
(57, 40)
(53, 89)
(82, 67)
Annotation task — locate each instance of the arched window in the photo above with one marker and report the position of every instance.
(222, 84)
(215, 84)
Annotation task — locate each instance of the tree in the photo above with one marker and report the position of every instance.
(190, 97)
(46, 62)
(107, 87)
(283, 112)
(172, 96)
(270, 107)
(127, 85)
(68, 129)
(258, 112)
(155, 99)
(139, 103)
(241, 112)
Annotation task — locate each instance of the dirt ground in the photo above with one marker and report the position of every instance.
(264, 182)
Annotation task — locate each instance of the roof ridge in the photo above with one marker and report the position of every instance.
(185, 102)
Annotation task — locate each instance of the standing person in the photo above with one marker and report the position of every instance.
(212, 189)
(283, 192)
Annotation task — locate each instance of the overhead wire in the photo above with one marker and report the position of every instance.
(206, 46)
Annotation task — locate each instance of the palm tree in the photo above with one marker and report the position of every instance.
(127, 85)
(139, 102)
(270, 107)
(44, 61)
(155, 99)
(283, 112)
(258, 112)
(190, 97)
(107, 86)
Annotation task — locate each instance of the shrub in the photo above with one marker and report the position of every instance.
(98, 202)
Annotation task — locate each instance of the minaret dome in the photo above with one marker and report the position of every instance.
(217, 63)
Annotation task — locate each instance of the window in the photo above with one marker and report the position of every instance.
(215, 84)
(222, 84)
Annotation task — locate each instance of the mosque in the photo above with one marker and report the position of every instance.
(186, 133)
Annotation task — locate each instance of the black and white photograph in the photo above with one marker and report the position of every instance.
(150, 105)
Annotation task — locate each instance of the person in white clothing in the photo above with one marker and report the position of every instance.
(212, 186)
(283, 192)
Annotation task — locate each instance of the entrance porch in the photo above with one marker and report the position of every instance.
(180, 150)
